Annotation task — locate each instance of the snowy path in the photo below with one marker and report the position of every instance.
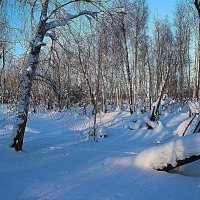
(59, 162)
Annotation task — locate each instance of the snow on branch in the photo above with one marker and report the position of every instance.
(72, 1)
(52, 35)
(63, 21)
(35, 45)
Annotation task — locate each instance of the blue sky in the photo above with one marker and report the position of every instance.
(161, 8)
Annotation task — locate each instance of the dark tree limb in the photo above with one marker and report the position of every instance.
(189, 125)
(197, 5)
(179, 163)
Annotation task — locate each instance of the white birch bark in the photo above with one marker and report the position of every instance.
(18, 130)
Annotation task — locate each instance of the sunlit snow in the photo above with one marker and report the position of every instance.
(59, 161)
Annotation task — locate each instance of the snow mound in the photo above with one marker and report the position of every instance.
(182, 127)
(135, 125)
(160, 156)
(194, 107)
(152, 124)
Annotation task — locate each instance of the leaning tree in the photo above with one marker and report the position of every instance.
(53, 14)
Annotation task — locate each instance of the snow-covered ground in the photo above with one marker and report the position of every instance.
(60, 162)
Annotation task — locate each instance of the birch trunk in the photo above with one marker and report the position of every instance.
(154, 113)
(26, 84)
(126, 57)
(24, 97)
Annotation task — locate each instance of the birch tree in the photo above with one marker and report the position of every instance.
(182, 24)
(3, 47)
(48, 20)
(138, 20)
(126, 62)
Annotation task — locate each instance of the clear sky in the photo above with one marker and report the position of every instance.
(161, 8)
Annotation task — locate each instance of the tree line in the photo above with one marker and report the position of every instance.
(99, 53)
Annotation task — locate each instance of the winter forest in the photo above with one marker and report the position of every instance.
(99, 100)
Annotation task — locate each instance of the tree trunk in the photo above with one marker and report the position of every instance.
(126, 57)
(154, 113)
(25, 89)
(2, 76)
(198, 61)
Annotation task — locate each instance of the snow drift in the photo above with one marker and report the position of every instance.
(161, 156)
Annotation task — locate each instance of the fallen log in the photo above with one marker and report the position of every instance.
(180, 163)
(175, 153)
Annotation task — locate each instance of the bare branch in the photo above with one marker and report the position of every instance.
(67, 18)
(47, 79)
(66, 4)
